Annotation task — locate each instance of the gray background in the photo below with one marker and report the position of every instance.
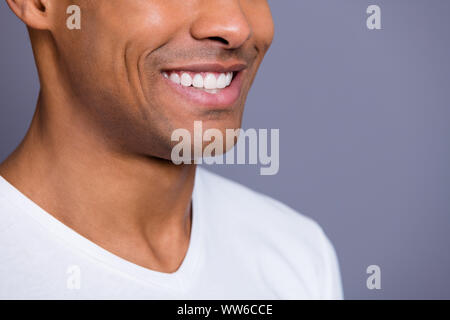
(364, 119)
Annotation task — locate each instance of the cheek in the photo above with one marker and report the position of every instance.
(104, 55)
(108, 28)
(260, 17)
(142, 25)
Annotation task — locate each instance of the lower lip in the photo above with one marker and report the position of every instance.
(225, 98)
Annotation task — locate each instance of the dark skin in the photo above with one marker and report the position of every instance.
(97, 153)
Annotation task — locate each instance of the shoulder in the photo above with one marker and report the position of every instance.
(276, 230)
(246, 204)
(10, 215)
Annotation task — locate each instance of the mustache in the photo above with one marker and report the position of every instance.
(174, 55)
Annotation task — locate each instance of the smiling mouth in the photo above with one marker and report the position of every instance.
(207, 85)
(209, 82)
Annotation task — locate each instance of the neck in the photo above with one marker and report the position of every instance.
(135, 206)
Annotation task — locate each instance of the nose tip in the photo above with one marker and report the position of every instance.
(223, 22)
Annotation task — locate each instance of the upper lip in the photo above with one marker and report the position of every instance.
(210, 67)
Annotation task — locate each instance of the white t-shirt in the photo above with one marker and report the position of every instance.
(243, 245)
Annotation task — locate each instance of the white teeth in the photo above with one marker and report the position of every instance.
(209, 83)
(198, 81)
(186, 80)
(174, 77)
(229, 77)
(222, 81)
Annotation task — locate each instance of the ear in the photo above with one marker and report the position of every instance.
(34, 13)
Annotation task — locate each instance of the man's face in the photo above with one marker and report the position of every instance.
(143, 68)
